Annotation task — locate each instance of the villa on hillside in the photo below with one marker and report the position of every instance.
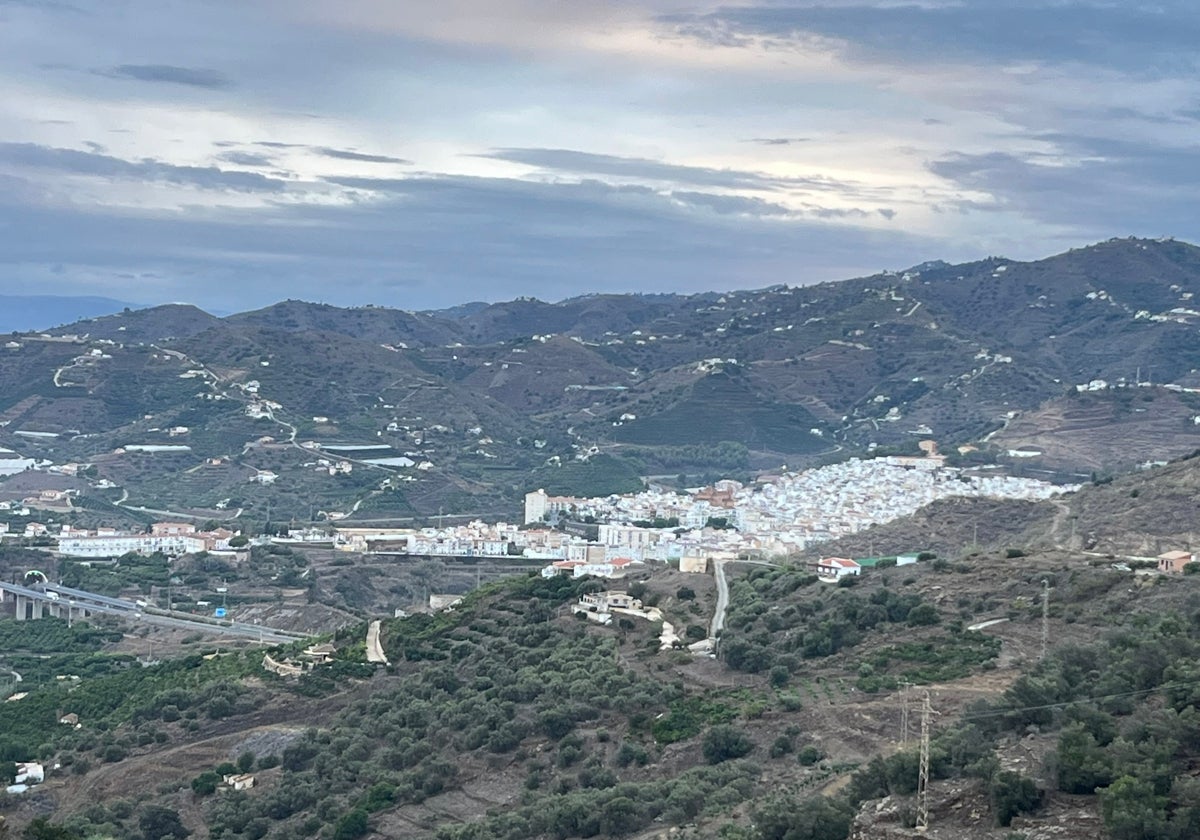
(836, 568)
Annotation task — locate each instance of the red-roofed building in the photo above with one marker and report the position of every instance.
(837, 567)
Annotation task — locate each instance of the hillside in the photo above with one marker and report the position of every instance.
(1079, 363)
(510, 718)
(1142, 514)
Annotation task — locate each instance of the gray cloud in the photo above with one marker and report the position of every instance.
(170, 74)
(732, 204)
(246, 158)
(348, 154)
(569, 160)
(407, 245)
(777, 141)
(1141, 38)
(1098, 185)
(105, 166)
(613, 165)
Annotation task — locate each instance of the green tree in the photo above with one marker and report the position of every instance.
(157, 822)
(724, 742)
(1012, 794)
(353, 824)
(1132, 811)
(43, 829)
(1082, 763)
(817, 818)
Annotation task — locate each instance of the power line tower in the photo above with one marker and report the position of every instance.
(923, 780)
(1045, 617)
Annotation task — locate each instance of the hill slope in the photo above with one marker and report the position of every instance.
(991, 355)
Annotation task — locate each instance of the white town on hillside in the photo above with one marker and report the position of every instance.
(779, 515)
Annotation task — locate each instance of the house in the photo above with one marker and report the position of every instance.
(242, 781)
(1172, 562)
(836, 568)
(561, 567)
(29, 773)
(608, 601)
(438, 603)
(172, 529)
(69, 719)
(321, 653)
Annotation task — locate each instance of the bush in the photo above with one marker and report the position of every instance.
(1012, 794)
(723, 742)
(353, 824)
(206, 783)
(809, 755)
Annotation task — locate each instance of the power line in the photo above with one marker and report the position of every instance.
(1117, 696)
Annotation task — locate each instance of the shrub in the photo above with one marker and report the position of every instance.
(724, 742)
(1012, 794)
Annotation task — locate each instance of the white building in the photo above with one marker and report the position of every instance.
(115, 546)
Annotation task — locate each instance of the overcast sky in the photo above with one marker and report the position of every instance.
(232, 153)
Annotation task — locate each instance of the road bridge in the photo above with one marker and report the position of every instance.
(31, 603)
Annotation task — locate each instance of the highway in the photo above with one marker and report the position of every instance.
(78, 599)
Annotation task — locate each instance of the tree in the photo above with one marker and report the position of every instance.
(206, 783)
(923, 615)
(245, 762)
(1082, 764)
(43, 829)
(724, 742)
(1132, 811)
(353, 824)
(1013, 794)
(817, 818)
(157, 822)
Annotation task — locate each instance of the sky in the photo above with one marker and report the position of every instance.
(232, 153)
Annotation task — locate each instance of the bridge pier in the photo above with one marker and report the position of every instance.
(21, 602)
(38, 609)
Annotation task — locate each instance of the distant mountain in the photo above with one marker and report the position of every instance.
(1081, 362)
(27, 313)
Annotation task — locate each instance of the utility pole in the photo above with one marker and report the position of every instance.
(923, 780)
(1045, 617)
(904, 713)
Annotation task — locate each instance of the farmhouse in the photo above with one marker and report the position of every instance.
(837, 568)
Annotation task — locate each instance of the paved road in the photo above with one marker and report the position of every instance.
(374, 648)
(718, 619)
(78, 599)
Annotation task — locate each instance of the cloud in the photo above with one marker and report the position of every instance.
(1093, 184)
(613, 165)
(568, 160)
(347, 154)
(777, 141)
(170, 74)
(431, 241)
(246, 158)
(74, 162)
(1143, 38)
